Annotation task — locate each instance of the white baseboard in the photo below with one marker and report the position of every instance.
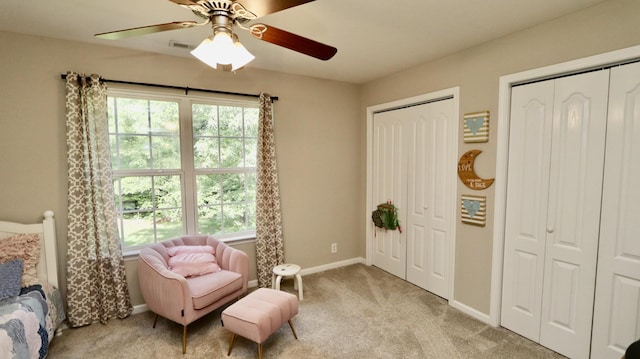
(471, 311)
(334, 265)
(141, 308)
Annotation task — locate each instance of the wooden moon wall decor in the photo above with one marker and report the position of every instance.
(467, 172)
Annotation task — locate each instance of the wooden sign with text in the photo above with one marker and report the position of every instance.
(467, 173)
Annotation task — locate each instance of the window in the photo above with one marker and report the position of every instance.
(182, 165)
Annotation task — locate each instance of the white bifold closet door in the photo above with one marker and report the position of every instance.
(411, 147)
(616, 322)
(556, 156)
(390, 136)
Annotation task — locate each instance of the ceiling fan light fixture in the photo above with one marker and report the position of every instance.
(241, 55)
(204, 53)
(223, 48)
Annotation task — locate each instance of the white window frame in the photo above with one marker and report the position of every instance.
(187, 172)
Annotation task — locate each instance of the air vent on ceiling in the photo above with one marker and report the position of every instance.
(180, 45)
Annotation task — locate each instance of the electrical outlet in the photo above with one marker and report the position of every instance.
(334, 247)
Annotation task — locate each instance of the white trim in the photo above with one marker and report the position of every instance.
(155, 93)
(140, 308)
(453, 92)
(504, 104)
(470, 311)
(334, 265)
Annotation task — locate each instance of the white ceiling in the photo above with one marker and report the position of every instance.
(374, 38)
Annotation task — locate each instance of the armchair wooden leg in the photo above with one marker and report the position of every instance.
(259, 350)
(233, 336)
(293, 330)
(155, 321)
(184, 339)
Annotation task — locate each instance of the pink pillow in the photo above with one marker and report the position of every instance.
(172, 251)
(189, 261)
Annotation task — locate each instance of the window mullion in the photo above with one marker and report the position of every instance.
(188, 173)
(150, 135)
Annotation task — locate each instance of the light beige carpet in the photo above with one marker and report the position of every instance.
(352, 312)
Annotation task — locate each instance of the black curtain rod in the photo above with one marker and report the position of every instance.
(186, 89)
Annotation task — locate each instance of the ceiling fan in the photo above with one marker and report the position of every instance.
(223, 47)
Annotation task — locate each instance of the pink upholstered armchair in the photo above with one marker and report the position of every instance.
(183, 300)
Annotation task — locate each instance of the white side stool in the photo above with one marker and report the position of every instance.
(287, 270)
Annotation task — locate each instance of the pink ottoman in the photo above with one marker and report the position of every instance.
(260, 314)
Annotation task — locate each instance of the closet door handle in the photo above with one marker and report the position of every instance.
(549, 230)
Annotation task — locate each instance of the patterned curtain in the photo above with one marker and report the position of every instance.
(269, 240)
(96, 282)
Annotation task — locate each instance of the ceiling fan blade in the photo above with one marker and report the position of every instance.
(184, 2)
(292, 41)
(265, 7)
(144, 30)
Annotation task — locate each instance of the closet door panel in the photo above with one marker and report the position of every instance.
(389, 184)
(528, 177)
(429, 182)
(440, 185)
(572, 225)
(617, 303)
(418, 170)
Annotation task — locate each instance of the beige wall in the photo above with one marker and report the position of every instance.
(320, 129)
(609, 26)
(316, 123)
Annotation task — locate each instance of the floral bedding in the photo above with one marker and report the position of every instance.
(28, 321)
